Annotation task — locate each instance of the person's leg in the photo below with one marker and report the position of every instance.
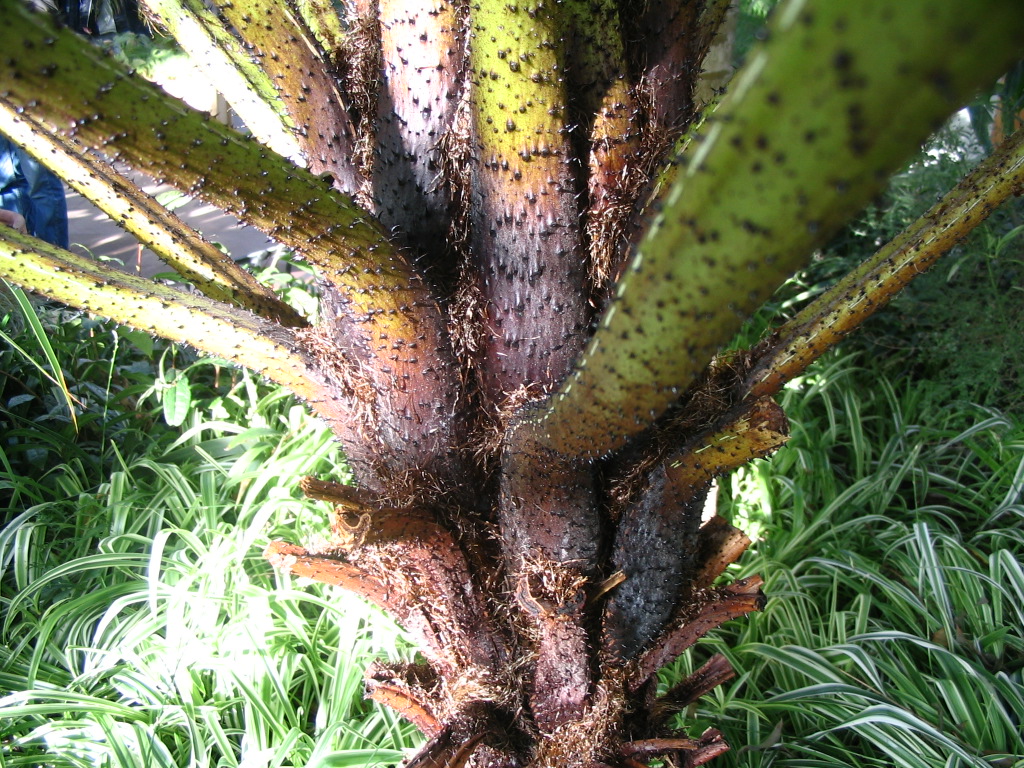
(13, 185)
(47, 204)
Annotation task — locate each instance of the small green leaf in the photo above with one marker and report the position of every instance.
(177, 401)
(139, 339)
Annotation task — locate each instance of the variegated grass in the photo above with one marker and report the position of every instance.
(891, 539)
(142, 627)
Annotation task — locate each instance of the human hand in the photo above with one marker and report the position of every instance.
(14, 220)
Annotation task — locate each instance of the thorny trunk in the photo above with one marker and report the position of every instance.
(521, 313)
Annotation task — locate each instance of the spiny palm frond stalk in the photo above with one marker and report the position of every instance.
(532, 243)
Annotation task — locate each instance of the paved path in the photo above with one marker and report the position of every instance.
(93, 232)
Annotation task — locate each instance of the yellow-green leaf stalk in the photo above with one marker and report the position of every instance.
(776, 172)
(287, 52)
(171, 313)
(525, 209)
(836, 313)
(182, 248)
(238, 77)
(379, 322)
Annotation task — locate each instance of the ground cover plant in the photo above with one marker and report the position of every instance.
(519, 317)
(893, 535)
(140, 627)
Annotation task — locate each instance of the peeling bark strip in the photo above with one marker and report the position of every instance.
(524, 209)
(716, 671)
(711, 745)
(411, 691)
(719, 545)
(347, 496)
(416, 572)
(433, 572)
(703, 615)
(329, 570)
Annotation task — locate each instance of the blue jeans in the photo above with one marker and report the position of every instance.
(33, 191)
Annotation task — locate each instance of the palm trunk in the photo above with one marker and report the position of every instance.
(520, 328)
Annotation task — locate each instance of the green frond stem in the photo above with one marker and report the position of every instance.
(382, 330)
(86, 96)
(776, 173)
(525, 214)
(239, 78)
(287, 51)
(172, 313)
(419, 96)
(323, 20)
(836, 313)
(760, 430)
(197, 260)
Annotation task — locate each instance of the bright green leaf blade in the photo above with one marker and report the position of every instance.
(177, 401)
